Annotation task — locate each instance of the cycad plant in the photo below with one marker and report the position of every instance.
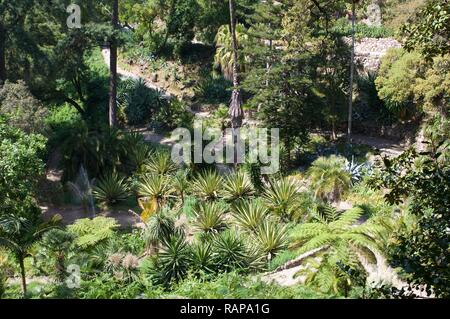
(271, 238)
(340, 240)
(329, 178)
(111, 189)
(238, 186)
(208, 185)
(210, 217)
(160, 163)
(249, 214)
(281, 198)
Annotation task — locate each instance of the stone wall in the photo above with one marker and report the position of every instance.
(369, 51)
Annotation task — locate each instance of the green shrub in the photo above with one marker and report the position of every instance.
(90, 232)
(111, 189)
(344, 28)
(213, 89)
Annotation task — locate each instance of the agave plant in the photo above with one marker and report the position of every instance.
(238, 186)
(329, 178)
(208, 185)
(210, 217)
(356, 170)
(249, 214)
(160, 163)
(281, 197)
(111, 189)
(158, 228)
(271, 238)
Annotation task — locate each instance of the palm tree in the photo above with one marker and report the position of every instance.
(352, 70)
(236, 113)
(340, 242)
(18, 233)
(113, 67)
(329, 177)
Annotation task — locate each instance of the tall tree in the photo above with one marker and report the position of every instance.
(236, 113)
(113, 67)
(352, 70)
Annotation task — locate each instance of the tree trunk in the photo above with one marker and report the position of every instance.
(113, 68)
(235, 111)
(22, 274)
(2, 54)
(352, 67)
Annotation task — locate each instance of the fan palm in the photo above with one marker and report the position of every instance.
(111, 189)
(249, 214)
(224, 52)
(339, 239)
(329, 178)
(208, 185)
(210, 217)
(281, 197)
(238, 186)
(19, 233)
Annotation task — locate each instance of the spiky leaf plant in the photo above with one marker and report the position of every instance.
(157, 187)
(230, 252)
(238, 186)
(208, 185)
(181, 183)
(281, 197)
(249, 214)
(329, 178)
(271, 238)
(158, 228)
(160, 163)
(202, 258)
(210, 217)
(173, 261)
(138, 156)
(111, 189)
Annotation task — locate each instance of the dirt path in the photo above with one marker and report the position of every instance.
(386, 147)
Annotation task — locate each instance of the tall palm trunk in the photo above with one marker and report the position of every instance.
(113, 68)
(235, 111)
(2, 53)
(352, 67)
(22, 274)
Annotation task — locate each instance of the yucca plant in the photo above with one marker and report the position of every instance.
(173, 261)
(339, 238)
(157, 187)
(210, 217)
(111, 189)
(271, 238)
(202, 258)
(181, 183)
(238, 186)
(158, 228)
(160, 163)
(329, 178)
(249, 214)
(230, 252)
(208, 185)
(139, 156)
(281, 197)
